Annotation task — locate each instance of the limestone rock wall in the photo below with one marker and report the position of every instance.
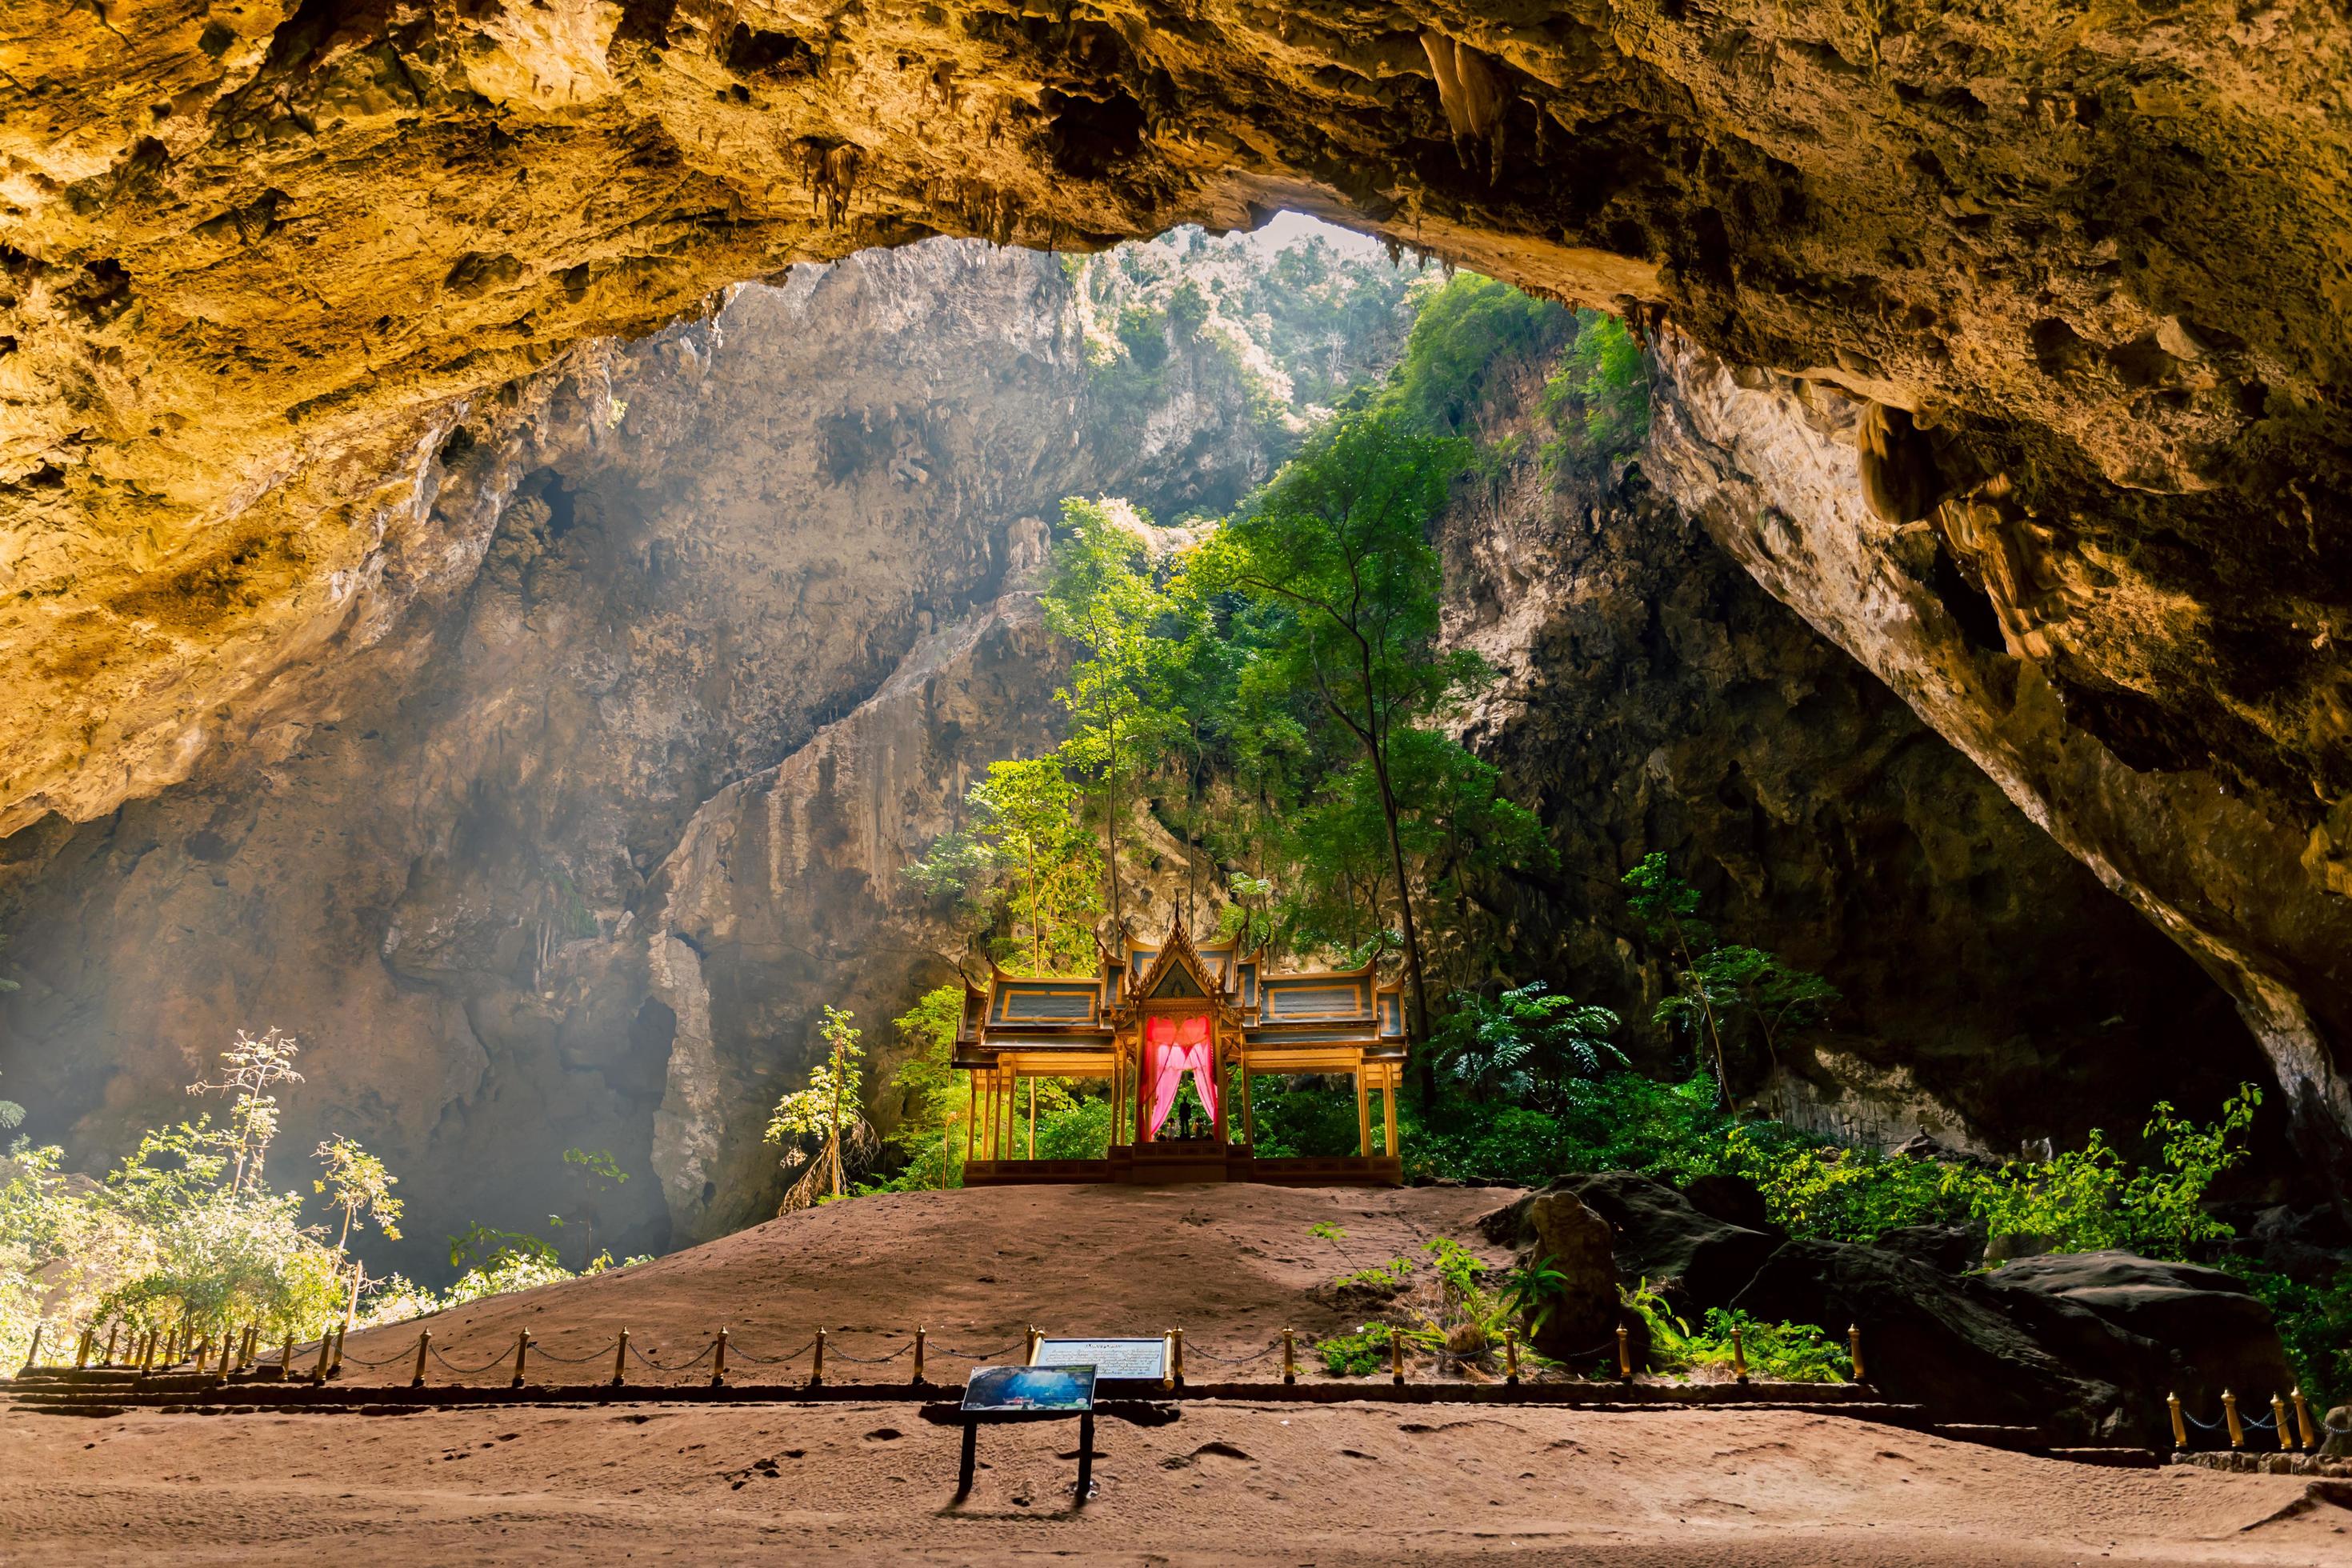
(676, 567)
(1775, 468)
(1655, 697)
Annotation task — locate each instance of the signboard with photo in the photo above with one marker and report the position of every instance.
(1018, 1393)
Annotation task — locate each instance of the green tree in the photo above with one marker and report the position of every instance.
(1668, 907)
(831, 1108)
(1599, 398)
(356, 1185)
(1527, 1045)
(1336, 546)
(1099, 595)
(930, 1110)
(255, 1068)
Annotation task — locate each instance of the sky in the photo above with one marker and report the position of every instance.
(1290, 228)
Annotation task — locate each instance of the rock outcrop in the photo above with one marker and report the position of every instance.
(1968, 613)
(1655, 698)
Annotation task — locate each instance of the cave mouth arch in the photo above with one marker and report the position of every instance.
(1812, 212)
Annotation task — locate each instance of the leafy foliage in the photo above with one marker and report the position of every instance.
(831, 1109)
(1463, 327)
(1027, 846)
(1527, 1047)
(1599, 398)
(1774, 1353)
(1720, 991)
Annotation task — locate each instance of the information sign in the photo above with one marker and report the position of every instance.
(1111, 1359)
(1014, 1392)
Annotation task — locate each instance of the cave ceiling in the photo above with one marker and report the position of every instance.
(2074, 279)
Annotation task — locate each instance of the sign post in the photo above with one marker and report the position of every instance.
(1001, 1393)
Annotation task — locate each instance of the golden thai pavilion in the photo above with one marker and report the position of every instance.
(1150, 1020)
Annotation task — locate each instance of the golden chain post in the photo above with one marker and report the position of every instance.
(424, 1342)
(1624, 1356)
(921, 1336)
(620, 1358)
(326, 1339)
(718, 1367)
(2303, 1419)
(2179, 1428)
(1289, 1356)
(1511, 1356)
(1853, 1346)
(2278, 1421)
(2230, 1413)
(1738, 1355)
(816, 1370)
(1396, 1355)
(522, 1354)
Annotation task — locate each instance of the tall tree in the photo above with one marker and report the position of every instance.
(1338, 542)
(357, 1183)
(1026, 842)
(255, 1068)
(832, 1106)
(1100, 595)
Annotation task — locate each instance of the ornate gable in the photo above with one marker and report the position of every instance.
(1177, 973)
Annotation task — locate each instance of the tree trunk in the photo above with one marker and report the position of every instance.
(1417, 1039)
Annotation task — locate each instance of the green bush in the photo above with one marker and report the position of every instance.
(1775, 1353)
(2315, 1322)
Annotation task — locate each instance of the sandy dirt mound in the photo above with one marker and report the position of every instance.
(1229, 1265)
(1227, 1483)
(1223, 1482)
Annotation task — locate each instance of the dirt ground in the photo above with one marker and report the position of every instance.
(1238, 1483)
(1229, 1265)
(1223, 1482)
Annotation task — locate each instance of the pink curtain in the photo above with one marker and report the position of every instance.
(1172, 1048)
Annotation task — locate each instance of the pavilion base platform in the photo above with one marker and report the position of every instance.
(1172, 1164)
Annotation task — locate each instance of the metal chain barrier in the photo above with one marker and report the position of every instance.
(1192, 1350)
(598, 1355)
(2332, 1429)
(450, 1366)
(867, 1360)
(737, 1352)
(683, 1366)
(406, 1352)
(979, 1356)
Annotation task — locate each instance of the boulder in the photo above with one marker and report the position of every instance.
(1574, 1239)
(1554, 1226)
(1946, 1248)
(1943, 1343)
(1734, 1200)
(2187, 1329)
(1692, 1260)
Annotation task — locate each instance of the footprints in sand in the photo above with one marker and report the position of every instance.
(764, 1469)
(1200, 1457)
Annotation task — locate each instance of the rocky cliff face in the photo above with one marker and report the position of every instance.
(477, 878)
(1965, 612)
(714, 632)
(1655, 698)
